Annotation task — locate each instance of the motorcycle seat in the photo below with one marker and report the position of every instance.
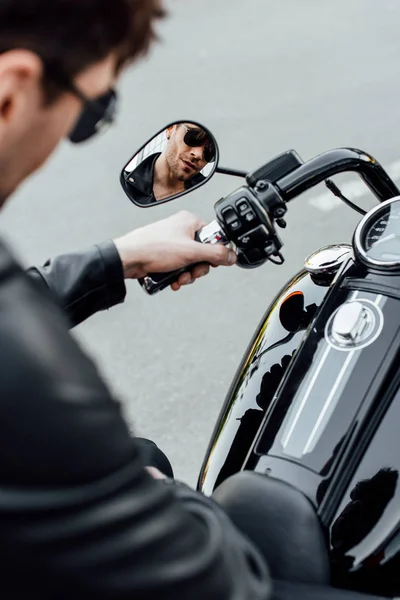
(282, 522)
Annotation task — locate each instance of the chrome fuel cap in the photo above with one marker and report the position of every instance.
(326, 262)
(351, 322)
(354, 325)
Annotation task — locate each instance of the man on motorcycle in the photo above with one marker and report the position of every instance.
(80, 516)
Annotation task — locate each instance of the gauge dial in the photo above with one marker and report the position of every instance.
(377, 238)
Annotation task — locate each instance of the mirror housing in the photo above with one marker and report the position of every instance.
(178, 159)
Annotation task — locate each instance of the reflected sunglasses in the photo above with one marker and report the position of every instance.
(97, 113)
(197, 137)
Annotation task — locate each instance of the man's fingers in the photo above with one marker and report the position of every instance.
(200, 271)
(190, 277)
(185, 278)
(195, 273)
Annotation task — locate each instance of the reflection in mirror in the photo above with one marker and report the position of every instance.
(178, 159)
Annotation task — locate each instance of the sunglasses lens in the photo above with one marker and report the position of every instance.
(95, 117)
(192, 138)
(196, 138)
(209, 152)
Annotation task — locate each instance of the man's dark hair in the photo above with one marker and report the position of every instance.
(70, 35)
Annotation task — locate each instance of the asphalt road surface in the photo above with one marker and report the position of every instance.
(264, 76)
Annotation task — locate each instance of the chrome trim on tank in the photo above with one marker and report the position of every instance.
(327, 261)
(286, 438)
(309, 447)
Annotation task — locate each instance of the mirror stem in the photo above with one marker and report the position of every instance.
(233, 172)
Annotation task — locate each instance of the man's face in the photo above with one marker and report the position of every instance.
(183, 161)
(30, 130)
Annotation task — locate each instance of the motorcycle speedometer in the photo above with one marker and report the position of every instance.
(377, 237)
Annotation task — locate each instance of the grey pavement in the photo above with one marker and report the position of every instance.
(264, 76)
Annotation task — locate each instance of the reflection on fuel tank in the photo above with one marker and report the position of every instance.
(281, 408)
(326, 470)
(369, 498)
(293, 317)
(251, 421)
(377, 573)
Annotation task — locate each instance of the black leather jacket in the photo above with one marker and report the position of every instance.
(139, 182)
(79, 516)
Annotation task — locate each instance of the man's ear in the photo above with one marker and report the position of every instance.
(168, 131)
(20, 78)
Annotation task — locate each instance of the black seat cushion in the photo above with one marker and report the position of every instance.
(282, 522)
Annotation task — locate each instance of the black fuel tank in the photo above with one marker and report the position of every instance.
(332, 432)
(263, 365)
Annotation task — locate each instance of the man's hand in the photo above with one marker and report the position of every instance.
(168, 245)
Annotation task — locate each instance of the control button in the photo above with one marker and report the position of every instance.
(256, 238)
(245, 210)
(244, 241)
(234, 225)
(249, 216)
(242, 205)
(229, 214)
(231, 219)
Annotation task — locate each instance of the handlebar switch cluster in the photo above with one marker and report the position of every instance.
(271, 200)
(237, 213)
(245, 217)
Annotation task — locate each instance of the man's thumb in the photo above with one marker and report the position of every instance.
(216, 254)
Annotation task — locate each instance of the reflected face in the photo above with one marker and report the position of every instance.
(184, 161)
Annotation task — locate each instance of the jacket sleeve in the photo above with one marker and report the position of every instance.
(79, 515)
(84, 282)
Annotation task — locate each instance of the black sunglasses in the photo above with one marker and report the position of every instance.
(197, 137)
(97, 114)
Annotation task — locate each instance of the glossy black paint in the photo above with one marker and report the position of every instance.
(337, 161)
(358, 277)
(263, 366)
(320, 373)
(359, 442)
(365, 530)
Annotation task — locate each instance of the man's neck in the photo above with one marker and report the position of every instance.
(8, 185)
(164, 182)
(4, 195)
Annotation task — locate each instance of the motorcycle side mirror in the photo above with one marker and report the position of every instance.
(178, 159)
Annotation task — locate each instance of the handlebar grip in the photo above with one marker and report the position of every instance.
(156, 282)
